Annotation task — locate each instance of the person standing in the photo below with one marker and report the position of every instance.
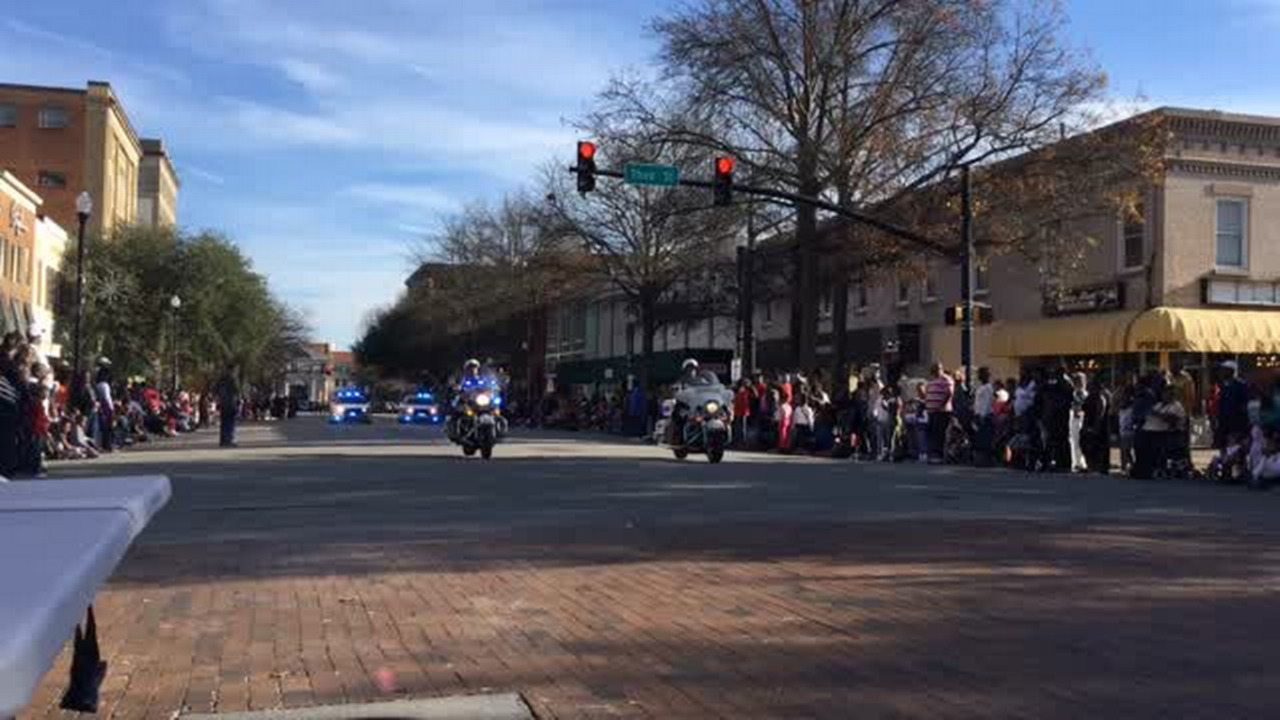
(984, 397)
(1079, 395)
(1055, 418)
(1095, 430)
(939, 395)
(106, 406)
(228, 406)
(742, 402)
(9, 411)
(1233, 405)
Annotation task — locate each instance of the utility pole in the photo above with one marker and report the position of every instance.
(966, 275)
(746, 296)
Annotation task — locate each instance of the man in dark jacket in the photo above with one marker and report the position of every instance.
(1233, 406)
(1056, 419)
(1095, 432)
(228, 406)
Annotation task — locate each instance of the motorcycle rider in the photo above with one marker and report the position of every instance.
(691, 375)
(469, 381)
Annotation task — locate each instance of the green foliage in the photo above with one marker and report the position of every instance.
(227, 313)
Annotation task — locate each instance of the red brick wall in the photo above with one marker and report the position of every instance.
(28, 149)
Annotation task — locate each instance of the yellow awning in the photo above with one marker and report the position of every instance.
(1199, 330)
(1193, 330)
(1100, 334)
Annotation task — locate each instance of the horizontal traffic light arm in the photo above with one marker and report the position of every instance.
(782, 196)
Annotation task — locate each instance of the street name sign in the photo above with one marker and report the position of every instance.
(656, 175)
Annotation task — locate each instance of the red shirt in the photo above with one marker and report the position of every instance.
(742, 403)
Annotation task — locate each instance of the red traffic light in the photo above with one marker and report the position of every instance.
(724, 166)
(586, 150)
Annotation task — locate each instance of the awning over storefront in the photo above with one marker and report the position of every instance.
(1101, 334)
(1199, 330)
(1194, 330)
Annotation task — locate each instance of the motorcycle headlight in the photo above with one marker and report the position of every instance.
(712, 408)
(483, 400)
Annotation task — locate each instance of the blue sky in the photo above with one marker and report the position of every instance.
(327, 136)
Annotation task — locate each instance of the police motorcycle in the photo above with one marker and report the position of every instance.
(702, 419)
(476, 422)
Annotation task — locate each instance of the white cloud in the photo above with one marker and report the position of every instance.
(423, 198)
(186, 170)
(313, 76)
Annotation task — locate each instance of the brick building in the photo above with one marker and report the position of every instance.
(19, 218)
(61, 141)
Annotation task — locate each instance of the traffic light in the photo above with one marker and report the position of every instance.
(586, 166)
(724, 182)
(982, 314)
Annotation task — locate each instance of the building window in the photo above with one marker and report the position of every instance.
(1233, 234)
(982, 273)
(51, 179)
(1133, 239)
(858, 295)
(8, 115)
(53, 117)
(930, 284)
(904, 291)
(826, 305)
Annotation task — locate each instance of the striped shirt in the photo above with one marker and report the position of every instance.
(938, 394)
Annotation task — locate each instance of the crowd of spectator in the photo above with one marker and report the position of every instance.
(1048, 419)
(48, 414)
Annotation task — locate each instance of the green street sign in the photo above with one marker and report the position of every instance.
(659, 175)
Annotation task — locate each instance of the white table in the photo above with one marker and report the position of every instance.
(59, 542)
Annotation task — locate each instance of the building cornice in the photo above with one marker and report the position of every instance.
(1216, 168)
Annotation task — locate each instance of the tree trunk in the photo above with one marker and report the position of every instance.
(804, 311)
(839, 322)
(648, 328)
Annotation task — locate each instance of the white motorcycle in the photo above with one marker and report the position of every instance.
(707, 425)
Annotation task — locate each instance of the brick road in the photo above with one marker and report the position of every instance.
(594, 600)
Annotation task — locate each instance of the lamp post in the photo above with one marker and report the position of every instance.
(175, 303)
(84, 208)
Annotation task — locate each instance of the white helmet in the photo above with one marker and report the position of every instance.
(689, 364)
(471, 363)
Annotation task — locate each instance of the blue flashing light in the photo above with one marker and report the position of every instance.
(497, 400)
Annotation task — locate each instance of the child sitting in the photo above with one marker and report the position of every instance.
(1266, 470)
(1231, 465)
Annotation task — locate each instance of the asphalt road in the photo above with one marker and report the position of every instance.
(306, 480)
(603, 578)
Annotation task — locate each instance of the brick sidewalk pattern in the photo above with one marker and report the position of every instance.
(875, 619)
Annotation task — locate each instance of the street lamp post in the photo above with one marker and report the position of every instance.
(84, 208)
(175, 303)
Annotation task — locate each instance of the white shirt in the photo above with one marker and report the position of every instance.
(983, 398)
(104, 393)
(1267, 468)
(1023, 398)
(1156, 419)
(802, 416)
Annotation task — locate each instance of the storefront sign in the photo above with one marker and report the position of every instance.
(1084, 299)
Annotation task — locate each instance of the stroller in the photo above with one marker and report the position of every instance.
(957, 446)
(1177, 459)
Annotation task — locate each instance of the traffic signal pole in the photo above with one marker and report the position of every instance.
(790, 198)
(966, 275)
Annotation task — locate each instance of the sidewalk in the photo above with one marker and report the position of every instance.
(897, 619)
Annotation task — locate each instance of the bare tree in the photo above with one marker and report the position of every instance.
(864, 101)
